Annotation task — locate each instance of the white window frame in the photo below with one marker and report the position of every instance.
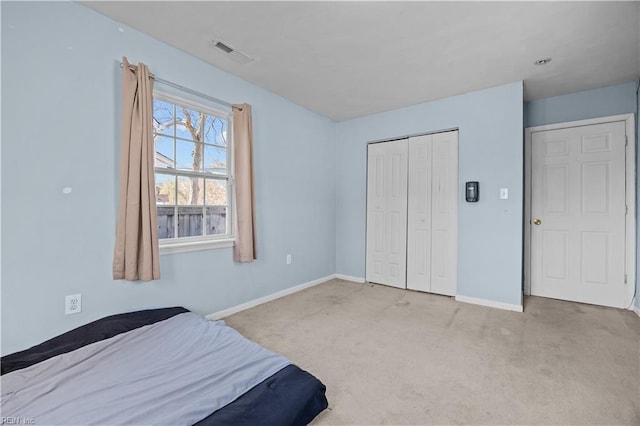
(204, 242)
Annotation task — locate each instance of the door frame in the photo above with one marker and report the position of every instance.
(630, 195)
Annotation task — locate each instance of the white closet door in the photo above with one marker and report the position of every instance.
(387, 213)
(419, 214)
(432, 213)
(444, 214)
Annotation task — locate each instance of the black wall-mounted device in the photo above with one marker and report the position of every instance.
(472, 191)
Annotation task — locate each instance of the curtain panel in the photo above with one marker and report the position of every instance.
(245, 245)
(136, 252)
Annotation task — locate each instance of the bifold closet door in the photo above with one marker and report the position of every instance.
(432, 213)
(387, 213)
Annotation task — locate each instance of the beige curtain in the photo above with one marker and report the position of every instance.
(245, 245)
(136, 253)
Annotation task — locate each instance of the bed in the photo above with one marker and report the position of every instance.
(158, 366)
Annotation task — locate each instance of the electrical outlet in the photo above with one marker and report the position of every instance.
(73, 304)
(288, 259)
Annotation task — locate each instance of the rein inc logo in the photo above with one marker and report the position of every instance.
(16, 420)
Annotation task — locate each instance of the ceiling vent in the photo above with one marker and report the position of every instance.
(230, 52)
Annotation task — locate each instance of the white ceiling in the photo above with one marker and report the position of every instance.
(349, 59)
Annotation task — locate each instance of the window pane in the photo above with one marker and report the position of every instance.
(188, 123)
(215, 130)
(190, 191)
(216, 192)
(215, 160)
(189, 155)
(164, 152)
(165, 189)
(166, 215)
(163, 117)
(190, 221)
(216, 220)
(190, 142)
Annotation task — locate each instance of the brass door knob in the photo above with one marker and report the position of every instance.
(537, 222)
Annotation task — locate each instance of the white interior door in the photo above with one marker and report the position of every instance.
(578, 214)
(387, 213)
(432, 213)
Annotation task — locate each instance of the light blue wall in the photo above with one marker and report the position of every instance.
(490, 126)
(60, 127)
(611, 100)
(602, 102)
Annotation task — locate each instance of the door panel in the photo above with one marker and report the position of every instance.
(387, 213)
(432, 218)
(595, 252)
(376, 209)
(444, 215)
(595, 185)
(419, 213)
(578, 197)
(555, 255)
(555, 180)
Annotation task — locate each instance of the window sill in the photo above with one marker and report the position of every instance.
(170, 248)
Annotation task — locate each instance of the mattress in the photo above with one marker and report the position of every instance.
(289, 396)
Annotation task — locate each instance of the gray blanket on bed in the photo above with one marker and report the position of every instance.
(174, 372)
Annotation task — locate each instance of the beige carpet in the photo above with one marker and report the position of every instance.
(390, 356)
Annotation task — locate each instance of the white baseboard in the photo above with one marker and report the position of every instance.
(250, 304)
(349, 278)
(636, 310)
(489, 303)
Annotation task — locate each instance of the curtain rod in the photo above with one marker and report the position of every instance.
(185, 89)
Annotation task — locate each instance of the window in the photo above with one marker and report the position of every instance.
(192, 174)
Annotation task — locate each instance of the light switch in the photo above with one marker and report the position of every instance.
(504, 193)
